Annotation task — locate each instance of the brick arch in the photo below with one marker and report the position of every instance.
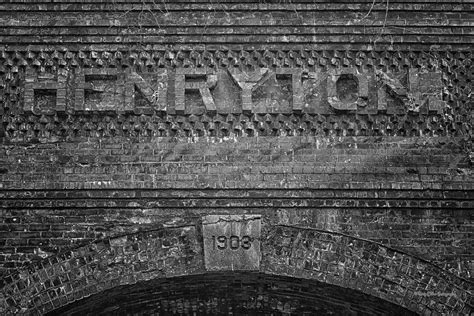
(105, 264)
(287, 251)
(365, 266)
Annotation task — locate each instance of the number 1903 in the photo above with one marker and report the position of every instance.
(233, 242)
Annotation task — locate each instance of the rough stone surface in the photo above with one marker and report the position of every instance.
(231, 242)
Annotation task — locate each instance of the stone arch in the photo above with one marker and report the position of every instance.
(287, 251)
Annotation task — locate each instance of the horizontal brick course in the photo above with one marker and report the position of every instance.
(393, 165)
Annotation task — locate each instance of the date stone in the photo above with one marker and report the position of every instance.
(231, 242)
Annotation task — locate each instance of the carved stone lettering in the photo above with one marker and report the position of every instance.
(45, 93)
(194, 79)
(231, 242)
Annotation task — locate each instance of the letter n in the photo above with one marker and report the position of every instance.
(152, 86)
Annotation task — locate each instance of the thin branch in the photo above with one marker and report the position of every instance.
(370, 11)
(384, 23)
(386, 15)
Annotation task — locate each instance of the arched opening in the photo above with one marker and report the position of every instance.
(231, 293)
(164, 271)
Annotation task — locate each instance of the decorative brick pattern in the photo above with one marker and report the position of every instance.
(413, 119)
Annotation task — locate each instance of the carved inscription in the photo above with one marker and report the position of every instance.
(231, 242)
(265, 90)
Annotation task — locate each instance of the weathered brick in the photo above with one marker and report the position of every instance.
(74, 169)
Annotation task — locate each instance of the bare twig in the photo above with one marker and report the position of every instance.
(383, 25)
(386, 15)
(370, 11)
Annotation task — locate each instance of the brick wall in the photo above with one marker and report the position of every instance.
(393, 168)
(412, 194)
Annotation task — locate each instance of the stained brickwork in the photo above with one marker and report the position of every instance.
(346, 127)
